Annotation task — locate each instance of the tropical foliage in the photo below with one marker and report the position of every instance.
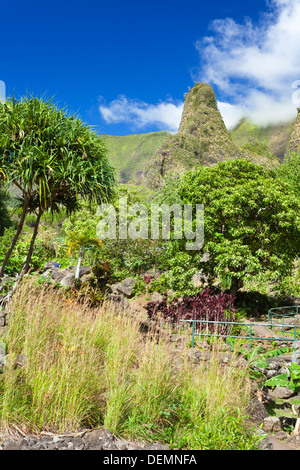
(251, 220)
(52, 159)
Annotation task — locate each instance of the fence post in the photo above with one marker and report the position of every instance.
(250, 336)
(193, 333)
(295, 345)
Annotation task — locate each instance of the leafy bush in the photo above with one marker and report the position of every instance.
(290, 379)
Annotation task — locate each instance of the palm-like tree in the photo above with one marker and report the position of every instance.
(50, 157)
(79, 245)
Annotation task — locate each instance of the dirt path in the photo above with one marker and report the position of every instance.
(277, 445)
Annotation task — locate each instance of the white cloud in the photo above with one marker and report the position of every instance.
(2, 91)
(164, 115)
(254, 66)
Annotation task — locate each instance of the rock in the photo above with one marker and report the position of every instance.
(265, 443)
(84, 270)
(125, 287)
(199, 279)
(47, 274)
(68, 280)
(71, 268)
(257, 411)
(12, 446)
(179, 338)
(49, 265)
(283, 392)
(100, 439)
(21, 360)
(87, 279)
(156, 447)
(271, 373)
(282, 435)
(294, 441)
(203, 344)
(197, 356)
(156, 297)
(295, 399)
(2, 330)
(58, 274)
(78, 443)
(271, 424)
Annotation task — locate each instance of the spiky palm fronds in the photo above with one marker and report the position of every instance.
(52, 158)
(75, 245)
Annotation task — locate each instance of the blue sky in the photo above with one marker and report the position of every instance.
(124, 66)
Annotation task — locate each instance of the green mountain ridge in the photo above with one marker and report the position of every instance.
(275, 136)
(202, 139)
(130, 154)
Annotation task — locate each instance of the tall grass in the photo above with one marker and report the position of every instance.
(94, 367)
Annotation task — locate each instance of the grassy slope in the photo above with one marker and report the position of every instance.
(129, 154)
(276, 137)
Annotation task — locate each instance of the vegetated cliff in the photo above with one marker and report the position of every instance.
(275, 137)
(202, 139)
(294, 142)
(130, 154)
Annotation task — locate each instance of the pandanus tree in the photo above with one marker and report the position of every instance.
(52, 158)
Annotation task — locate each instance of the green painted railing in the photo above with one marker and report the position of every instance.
(197, 331)
(282, 313)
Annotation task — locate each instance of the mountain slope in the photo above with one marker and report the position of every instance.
(294, 142)
(275, 136)
(202, 139)
(131, 153)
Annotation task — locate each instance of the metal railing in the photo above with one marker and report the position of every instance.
(212, 330)
(283, 313)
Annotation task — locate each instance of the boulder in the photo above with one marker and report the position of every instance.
(271, 424)
(294, 441)
(282, 392)
(257, 411)
(156, 297)
(49, 265)
(125, 287)
(265, 443)
(68, 280)
(99, 439)
(58, 274)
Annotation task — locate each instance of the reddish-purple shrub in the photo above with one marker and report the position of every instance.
(206, 305)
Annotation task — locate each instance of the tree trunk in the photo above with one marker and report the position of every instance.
(77, 272)
(30, 251)
(28, 258)
(16, 237)
(236, 284)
